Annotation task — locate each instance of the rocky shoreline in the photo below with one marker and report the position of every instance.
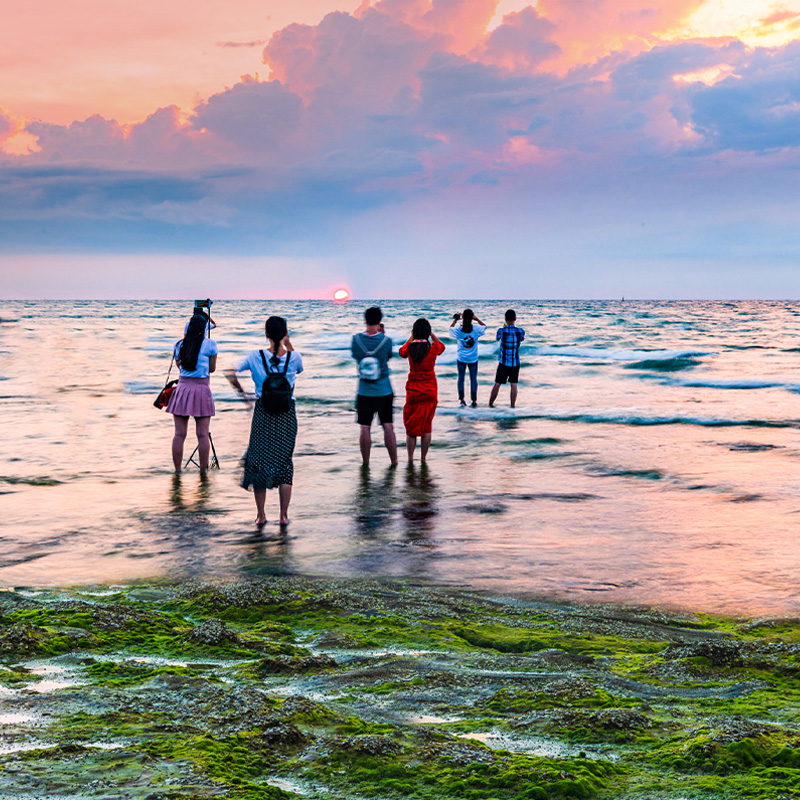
(287, 687)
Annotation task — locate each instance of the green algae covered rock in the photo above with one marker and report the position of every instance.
(205, 690)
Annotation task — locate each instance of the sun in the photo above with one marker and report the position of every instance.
(340, 295)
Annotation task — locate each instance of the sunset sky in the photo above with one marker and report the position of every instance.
(401, 148)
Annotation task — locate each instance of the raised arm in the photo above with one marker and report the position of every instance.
(404, 348)
(478, 320)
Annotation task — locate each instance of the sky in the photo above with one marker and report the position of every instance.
(400, 148)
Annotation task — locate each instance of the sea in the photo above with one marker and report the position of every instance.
(653, 458)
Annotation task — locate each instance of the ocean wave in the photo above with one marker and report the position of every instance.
(732, 383)
(621, 472)
(603, 354)
(616, 418)
(485, 351)
(544, 455)
(142, 387)
(342, 341)
(664, 364)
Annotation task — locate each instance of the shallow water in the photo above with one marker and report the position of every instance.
(653, 457)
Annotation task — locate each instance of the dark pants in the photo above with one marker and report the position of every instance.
(473, 379)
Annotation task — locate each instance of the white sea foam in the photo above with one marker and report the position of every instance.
(611, 417)
(141, 387)
(341, 341)
(610, 354)
(732, 383)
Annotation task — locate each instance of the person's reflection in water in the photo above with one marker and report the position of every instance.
(265, 552)
(176, 495)
(508, 424)
(420, 508)
(374, 504)
(179, 506)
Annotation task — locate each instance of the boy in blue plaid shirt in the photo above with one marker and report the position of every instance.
(510, 338)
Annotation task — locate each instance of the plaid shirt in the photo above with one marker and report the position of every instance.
(510, 337)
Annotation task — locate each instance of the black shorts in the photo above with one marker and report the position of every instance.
(504, 373)
(367, 407)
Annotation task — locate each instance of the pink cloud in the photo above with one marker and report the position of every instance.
(522, 42)
(162, 141)
(396, 102)
(347, 61)
(261, 119)
(409, 88)
(589, 29)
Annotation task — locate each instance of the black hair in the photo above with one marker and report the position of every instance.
(373, 315)
(192, 342)
(511, 315)
(418, 350)
(275, 328)
(466, 320)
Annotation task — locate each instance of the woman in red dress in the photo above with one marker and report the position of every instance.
(422, 393)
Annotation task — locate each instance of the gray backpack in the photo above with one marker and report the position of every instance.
(369, 368)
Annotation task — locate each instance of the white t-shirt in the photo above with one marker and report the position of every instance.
(468, 342)
(207, 349)
(253, 364)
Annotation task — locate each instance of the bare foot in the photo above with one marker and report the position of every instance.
(261, 522)
(284, 521)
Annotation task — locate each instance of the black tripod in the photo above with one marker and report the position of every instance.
(213, 462)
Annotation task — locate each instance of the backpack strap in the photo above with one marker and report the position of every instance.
(372, 353)
(268, 370)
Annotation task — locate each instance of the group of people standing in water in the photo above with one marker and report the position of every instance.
(267, 464)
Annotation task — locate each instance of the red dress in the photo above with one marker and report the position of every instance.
(422, 391)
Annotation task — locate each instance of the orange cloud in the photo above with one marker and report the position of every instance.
(586, 30)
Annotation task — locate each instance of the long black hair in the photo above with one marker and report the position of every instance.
(276, 329)
(418, 350)
(192, 342)
(466, 320)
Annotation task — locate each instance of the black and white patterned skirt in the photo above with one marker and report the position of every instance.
(268, 460)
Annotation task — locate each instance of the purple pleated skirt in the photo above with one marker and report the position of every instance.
(191, 398)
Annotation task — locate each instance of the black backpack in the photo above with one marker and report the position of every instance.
(276, 391)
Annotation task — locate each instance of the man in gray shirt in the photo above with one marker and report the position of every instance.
(372, 350)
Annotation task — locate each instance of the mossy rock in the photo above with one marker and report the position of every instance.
(291, 665)
(21, 639)
(731, 748)
(500, 638)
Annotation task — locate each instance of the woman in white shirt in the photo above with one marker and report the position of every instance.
(467, 336)
(268, 461)
(196, 357)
